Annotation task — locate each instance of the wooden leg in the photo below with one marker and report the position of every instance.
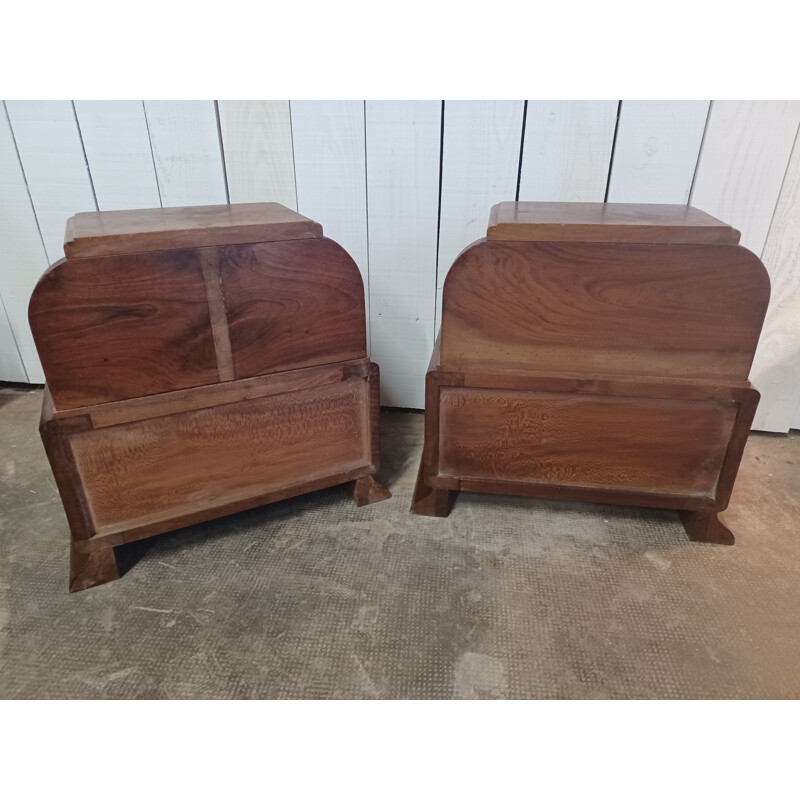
(430, 502)
(704, 526)
(91, 569)
(368, 490)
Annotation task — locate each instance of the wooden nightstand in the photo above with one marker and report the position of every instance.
(199, 361)
(596, 352)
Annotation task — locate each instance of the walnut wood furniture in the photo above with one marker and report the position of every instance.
(199, 361)
(596, 352)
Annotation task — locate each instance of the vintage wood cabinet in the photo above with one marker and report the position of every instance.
(596, 352)
(199, 361)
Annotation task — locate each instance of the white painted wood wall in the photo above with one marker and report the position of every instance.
(404, 186)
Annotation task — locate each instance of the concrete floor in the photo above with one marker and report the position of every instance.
(315, 598)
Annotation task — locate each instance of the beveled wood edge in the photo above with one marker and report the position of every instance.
(598, 233)
(86, 537)
(747, 403)
(115, 538)
(186, 238)
(119, 412)
(55, 439)
(586, 494)
(605, 385)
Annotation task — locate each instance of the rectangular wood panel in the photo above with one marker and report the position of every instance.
(567, 150)
(22, 260)
(403, 143)
(118, 153)
(257, 146)
(656, 150)
(54, 164)
(628, 444)
(186, 150)
(162, 468)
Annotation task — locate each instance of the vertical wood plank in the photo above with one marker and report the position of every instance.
(744, 158)
(329, 155)
(657, 149)
(480, 166)
(257, 147)
(403, 143)
(22, 260)
(117, 146)
(776, 369)
(186, 151)
(567, 150)
(52, 158)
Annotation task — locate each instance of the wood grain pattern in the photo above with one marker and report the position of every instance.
(743, 162)
(567, 150)
(292, 304)
(587, 441)
(640, 223)
(193, 382)
(166, 403)
(186, 151)
(403, 142)
(656, 150)
(52, 157)
(118, 153)
(682, 311)
(163, 468)
(123, 326)
(257, 145)
(144, 230)
(596, 371)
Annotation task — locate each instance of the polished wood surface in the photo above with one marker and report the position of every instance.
(197, 381)
(615, 309)
(292, 304)
(104, 233)
(602, 371)
(642, 223)
(168, 467)
(583, 440)
(119, 327)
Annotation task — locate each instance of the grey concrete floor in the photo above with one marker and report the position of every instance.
(315, 598)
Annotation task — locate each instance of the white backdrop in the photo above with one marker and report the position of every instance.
(404, 186)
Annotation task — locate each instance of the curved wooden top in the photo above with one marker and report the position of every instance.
(116, 327)
(105, 233)
(681, 311)
(642, 223)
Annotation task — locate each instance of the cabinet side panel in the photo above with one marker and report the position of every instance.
(176, 466)
(619, 443)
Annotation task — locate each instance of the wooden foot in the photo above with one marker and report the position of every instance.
(430, 502)
(368, 490)
(704, 526)
(91, 569)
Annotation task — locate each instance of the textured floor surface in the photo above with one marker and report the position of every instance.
(315, 598)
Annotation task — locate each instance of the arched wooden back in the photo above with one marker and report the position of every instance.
(581, 307)
(113, 327)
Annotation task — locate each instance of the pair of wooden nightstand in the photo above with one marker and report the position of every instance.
(201, 361)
